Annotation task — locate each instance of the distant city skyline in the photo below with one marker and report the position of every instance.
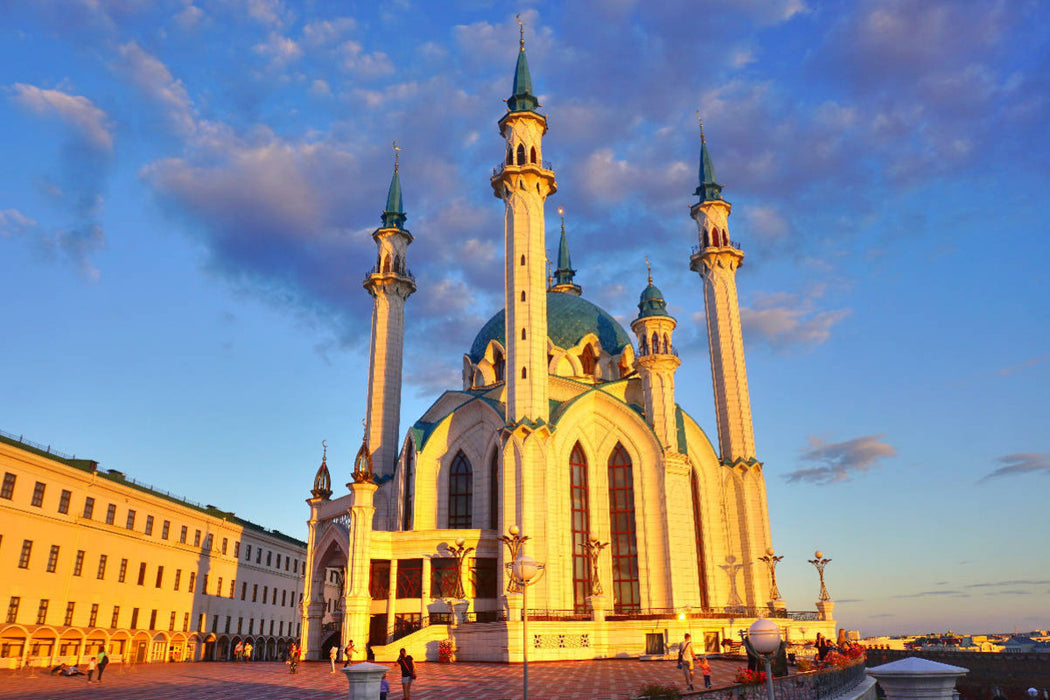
(189, 188)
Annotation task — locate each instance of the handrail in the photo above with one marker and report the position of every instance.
(812, 685)
(543, 165)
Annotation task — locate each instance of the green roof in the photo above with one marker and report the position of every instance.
(651, 302)
(708, 188)
(394, 214)
(522, 100)
(569, 319)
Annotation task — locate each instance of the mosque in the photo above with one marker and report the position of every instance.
(564, 444)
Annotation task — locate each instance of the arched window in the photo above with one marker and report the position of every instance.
(699, 534)
(406, 500)
(510, 156)
(523, 334)
(524, 373)
(494, 490)
(588, 360)
(386, 263)
(523, 260)
(521, 154)
(581, 529)
(622, 533)
(460, 493)
(667, 343)
(398, 265)
(532, 155)
(655, 347)
(523, 295)
(498, 365)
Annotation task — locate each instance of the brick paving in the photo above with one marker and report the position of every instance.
(591, 680)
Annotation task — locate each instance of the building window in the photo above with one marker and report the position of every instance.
(197, 538)
(278, 564)
(115, 618)
(406, 508)
(443, 575)
(182, 534)
(251, 625)
(7, 491)
(171, 622)
(52, 559)
(244, 589)
(134, 618)
(193, 581)
(237, 550)
(160, 577)
(149, 525)
(164, 529)
(27, 550)
(41, 612)
(255, 592)
(12, 609)
(460, 493)
(284, 597)
(63, 501)
(218, 587)
(185, 622)
(409, 578)
(178, 578)
(204, 585)
(266, 591)
(111, 513)
(379, 579)
(78, 563)
(233, 588)
(89, 507)
(581, 529)
(38, 494)
(486, 583)
(68, 620)
(240, 624)
(101, 567)
(269, 558)
(588, 360)
(93, 617)
(626, 594)
(698, 533)
(258, 556)
(142, 574)
(248, 553)
(123, 574)
(153, 619)
(131, 520)
(225, 543)
(207, 543)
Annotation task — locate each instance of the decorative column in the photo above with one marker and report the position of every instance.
(311, 610)
(825, 606)
(776, 604)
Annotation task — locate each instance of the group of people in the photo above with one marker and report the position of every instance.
(242, 651)
(688, 661)
(95, 663)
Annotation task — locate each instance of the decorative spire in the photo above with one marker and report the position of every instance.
(521, 30)
(649, 270)
(651, 302)
(522, 100)
(363, 469)
(708, 189)
(394, 214)
(323, 481)
(564, 274)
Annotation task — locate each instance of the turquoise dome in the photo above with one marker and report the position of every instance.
(651, 303)
(569, 318)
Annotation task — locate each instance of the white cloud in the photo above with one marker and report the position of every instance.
(279, 49)
(785, 320)
(75, 110)
(839, 461)
(328, 31)
(151, 76)
(1022, 463)
(367, 65)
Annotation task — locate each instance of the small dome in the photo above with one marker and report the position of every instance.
(652, 303)
(569, 319)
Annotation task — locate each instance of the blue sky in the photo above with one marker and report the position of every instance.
(187, 190)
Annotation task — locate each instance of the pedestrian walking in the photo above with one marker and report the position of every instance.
(408, 673)
(248, 651)
(103, 661)
(332, 653)
(238, 650)
(92, 665)
(687, 660)
(348, 653)
(705, 669)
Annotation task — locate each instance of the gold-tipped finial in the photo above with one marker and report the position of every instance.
(324, 455)
(649, 269)
(550, 275)
(561, 213)
(521, 30)
(700, 120)
(397, 157)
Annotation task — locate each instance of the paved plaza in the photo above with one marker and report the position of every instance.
(598, 680)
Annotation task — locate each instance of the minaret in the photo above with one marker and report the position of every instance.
(524, 182)
(656, 364)
(717, 260)
(390, 284)
(564, 274)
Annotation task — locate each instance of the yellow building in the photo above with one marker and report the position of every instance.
(91, 558)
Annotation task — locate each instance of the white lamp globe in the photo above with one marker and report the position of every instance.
(764, 636)
(525, 568)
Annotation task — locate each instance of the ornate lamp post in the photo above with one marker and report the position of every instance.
(764, 636)
(771, 563)
(820, 562)
(460, 552)
(524, 571)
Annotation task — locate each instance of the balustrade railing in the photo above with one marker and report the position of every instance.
(813, 685)
(545, 165)
(405, 273)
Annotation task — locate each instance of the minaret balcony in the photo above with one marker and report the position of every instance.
(545, 165)
(735, 245)
(404, 275)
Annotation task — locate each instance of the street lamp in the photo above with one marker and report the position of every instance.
(764, 636)
(771, 563)
(524, 572)
(820, 562)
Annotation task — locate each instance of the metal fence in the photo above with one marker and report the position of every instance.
(816, 685)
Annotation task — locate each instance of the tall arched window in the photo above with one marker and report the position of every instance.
(532, 155)
(699, 534)
(406, 500)
(588, 360)
(498, 364)
(460, 493)
(521, 154)
(581, 529)
(622, 534)
(494, 491)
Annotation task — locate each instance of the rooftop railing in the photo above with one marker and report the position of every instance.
(814, 685)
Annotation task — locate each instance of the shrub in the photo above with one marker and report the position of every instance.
(655, 691)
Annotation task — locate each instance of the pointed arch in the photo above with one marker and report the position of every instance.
(408, 490)
(499, 364)
(460, 493)
(494, 489)
(532, 155)
(698, 532)
(654, 347)
(589, 360)
(581, 528)
(510, 155)
(623, 532)
(521, 154)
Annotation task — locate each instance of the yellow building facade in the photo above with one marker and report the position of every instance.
(90, 558)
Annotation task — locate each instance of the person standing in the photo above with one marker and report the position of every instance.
(248, 651)
(705, 669)
(92, 665)
(238, 650)
(103, 661)
(349, 653)
(408, 673)
(332, 653)
(687, 660)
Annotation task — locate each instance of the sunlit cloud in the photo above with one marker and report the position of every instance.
(1021, 463)
(841, 461)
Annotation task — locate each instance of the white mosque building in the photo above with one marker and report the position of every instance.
(566, 432)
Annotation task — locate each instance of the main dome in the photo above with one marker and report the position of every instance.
(569, 319)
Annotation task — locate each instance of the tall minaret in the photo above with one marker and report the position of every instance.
(390, 284)
(656, 364)
(717, 260)
(524, 182)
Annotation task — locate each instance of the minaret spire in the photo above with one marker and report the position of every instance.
(564, 274)
(390, 284)
(716, 260)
